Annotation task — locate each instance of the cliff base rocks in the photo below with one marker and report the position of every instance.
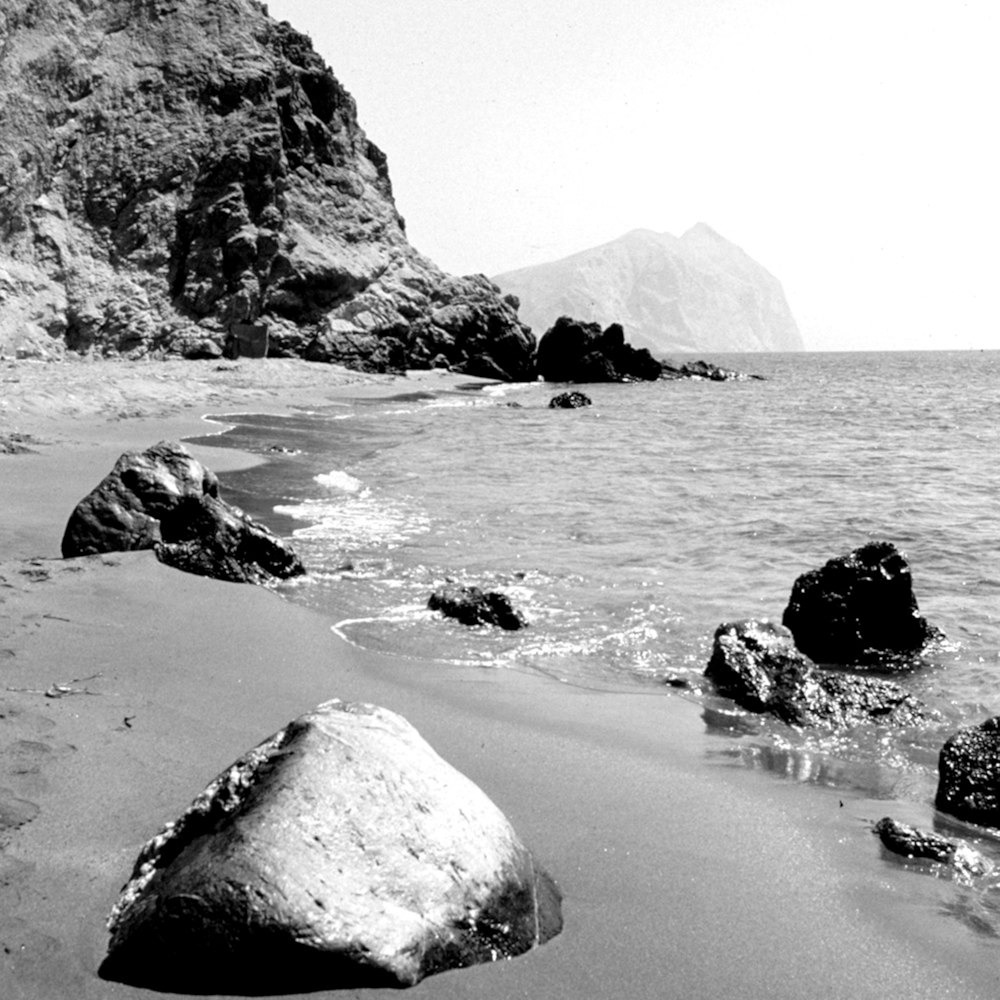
(341, 852)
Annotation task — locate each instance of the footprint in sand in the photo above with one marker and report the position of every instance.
(15, 812)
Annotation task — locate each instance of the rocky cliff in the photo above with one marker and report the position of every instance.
(696, 293)
(187, 176)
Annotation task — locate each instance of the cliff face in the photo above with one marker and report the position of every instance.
(696, 293)
(186, 175)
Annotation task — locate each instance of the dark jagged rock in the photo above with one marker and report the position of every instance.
(913, 843)
(859, 609)
(190, 178)
(706, 370)
(757, 665)
(572, 351)
(342, 852)
(569, 401)
(164, 499)
(473, 606)
(969, 774)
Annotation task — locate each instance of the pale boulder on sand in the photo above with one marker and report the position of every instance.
(340, 852)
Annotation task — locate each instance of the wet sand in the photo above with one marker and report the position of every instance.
(684, 874)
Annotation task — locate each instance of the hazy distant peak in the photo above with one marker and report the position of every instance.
(697, 293)
(703, 231)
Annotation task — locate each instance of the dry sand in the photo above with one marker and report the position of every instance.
(683, 875)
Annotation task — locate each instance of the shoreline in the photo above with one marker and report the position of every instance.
(683, 872)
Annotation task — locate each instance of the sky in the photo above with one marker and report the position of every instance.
(852, 148)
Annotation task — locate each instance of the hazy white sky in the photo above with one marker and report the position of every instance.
(851, 147)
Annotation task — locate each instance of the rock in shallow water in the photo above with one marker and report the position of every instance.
(757, 665)
(164, 499)
(913, 843)
(569, 401)
(341, 852)
(969, 774)
(859, 609)
(472, 606)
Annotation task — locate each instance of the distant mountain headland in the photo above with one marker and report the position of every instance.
(188, 177)
(698, 292)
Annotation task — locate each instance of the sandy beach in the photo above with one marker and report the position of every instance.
(126, 686)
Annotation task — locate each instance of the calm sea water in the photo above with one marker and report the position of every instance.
(629, 530)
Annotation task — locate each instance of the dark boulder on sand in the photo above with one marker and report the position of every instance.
(473, 606)
(969, 774)
(757, 665)
(859, 609)
(166, 500)
(572, 351)
(910, 842)
(340, 853)
(569, 401)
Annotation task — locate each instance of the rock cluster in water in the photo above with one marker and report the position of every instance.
(166, 500)
(757, 665)
(190, 178)
(571, 351)
(342, 852)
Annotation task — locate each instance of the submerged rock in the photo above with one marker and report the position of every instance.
(757, 665)
(969, 774)
(340, 853)
(859, 609)
(569, 401)
(571, 351)
(913, 843)
(473, 606)
(164, 499)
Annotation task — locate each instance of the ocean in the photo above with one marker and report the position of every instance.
(626, 532)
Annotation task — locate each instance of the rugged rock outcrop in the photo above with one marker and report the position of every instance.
(913, 843)
(969, 774)
(757, 665)
(188, 176)
(705, 370)
(859, 609)
(166, 500)
(571, 351)
(341, 852)
(569, 401)
(473, 606)
(696, 293)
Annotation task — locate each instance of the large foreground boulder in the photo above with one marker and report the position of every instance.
(341, 852)
(164, 499)
(859, 609)
(757, 665)
(571, 351)
(969, 774)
